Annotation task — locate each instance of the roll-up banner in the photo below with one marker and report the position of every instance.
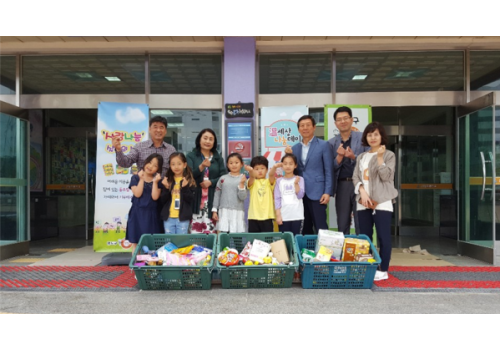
(112, 195)
(279, 130)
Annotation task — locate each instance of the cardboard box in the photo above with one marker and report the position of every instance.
(363, 257)
(332, 240)
(280, 252)
(353, 247)
(349, 251)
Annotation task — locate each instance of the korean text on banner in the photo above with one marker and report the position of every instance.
(112, 195)
(279, 130)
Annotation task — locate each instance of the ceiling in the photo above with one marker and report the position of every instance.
(156, 44)
(201, 73)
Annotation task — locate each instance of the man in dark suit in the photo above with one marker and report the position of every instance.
(346, 146)
(315, 166)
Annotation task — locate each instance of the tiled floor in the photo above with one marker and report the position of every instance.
(77, 252)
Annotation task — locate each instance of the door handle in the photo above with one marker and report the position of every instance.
(483, 161)
(493, 175)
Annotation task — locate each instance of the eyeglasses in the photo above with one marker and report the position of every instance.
(340, 120)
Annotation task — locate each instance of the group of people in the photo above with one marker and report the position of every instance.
(199, 193)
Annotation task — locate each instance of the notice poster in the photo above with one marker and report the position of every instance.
(239, 139)
(279, 130)
(112, 195)
(362, 116)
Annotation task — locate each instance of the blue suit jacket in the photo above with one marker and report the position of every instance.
(356, 147)
(317, 171)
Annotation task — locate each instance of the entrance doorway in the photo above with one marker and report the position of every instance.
(422, 139)
(71, 159)
(65, 209)
(478, 166)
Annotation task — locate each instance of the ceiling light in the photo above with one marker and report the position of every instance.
(359, 77)
(162, 112)
(113, 78)
(83, 75)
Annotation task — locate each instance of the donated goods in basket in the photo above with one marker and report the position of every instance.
(358, 273)
(332, 240)
(256, 253)
(170, 255)
(186, 261)
(274, 263)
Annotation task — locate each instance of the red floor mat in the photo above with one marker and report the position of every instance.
(440, 278)
(105, 278)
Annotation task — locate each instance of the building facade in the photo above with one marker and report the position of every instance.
(439, 98)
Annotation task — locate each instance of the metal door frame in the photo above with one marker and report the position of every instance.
(21, 247)
(464, 248)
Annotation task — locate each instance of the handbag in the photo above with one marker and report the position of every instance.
(372, 207)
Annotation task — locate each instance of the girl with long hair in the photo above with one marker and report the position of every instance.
(178, 195)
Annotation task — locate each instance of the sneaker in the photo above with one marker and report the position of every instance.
(381, 275)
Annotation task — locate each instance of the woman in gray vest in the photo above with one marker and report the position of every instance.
(373, 179)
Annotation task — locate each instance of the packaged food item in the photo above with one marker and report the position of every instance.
(363, 257)
(197, 249)
(142, 257)
(207, 260)
(242, 259)
(229, 257)
(183, 251)
(349, 251)
(280, 251)
(324, 254)
(246, 250)
(354, 246)
(259, 251)
(332, 240)
(267, 260)
(170, 247)
(248, 263)
(196, 258)
(176, 260)
(307, 255)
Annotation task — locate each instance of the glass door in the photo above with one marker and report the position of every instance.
(426, 183)
(14, 225)
(477, 178)
(71, 157)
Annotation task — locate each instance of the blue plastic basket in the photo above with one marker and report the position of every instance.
(335, 275)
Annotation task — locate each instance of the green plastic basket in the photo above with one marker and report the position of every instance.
(257, 276)
(174, 277)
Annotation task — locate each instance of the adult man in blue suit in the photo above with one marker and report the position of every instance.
(315, 166)
(346, 146)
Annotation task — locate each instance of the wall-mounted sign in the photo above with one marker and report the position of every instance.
(239, 110)
(239, 138)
